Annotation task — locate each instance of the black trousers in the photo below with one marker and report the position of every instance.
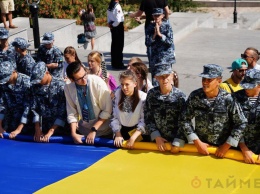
(124, 132)
(117, 46)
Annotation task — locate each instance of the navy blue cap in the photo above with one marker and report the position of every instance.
(157, 11)
(20, 43)
(211, 71)
(163, 69)
(251, 79)
(48, 38)
(6, 70)
(4, 33)
(38, 72)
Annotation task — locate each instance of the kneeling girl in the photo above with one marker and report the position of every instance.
(128, 117)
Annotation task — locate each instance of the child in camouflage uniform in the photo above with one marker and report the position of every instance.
(24, 61)
(250, 103)
(159, 36)
(14, 100)
(48, 104)
(7, 52)
(163, 107)
(51, 55)
(219, 120)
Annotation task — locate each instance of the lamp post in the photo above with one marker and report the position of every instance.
(235, 12)
(34, 23)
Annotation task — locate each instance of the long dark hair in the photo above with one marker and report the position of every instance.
(89, 8)
(141, 68)
(72, 51)
(128, 74)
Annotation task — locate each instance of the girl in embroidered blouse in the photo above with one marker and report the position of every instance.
(128, 110)
(97, 66)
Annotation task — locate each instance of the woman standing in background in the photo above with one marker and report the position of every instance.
(115, 21)
(88, 18)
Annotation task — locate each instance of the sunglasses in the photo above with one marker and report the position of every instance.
(245, 56)
(241, 70)
(81, 78)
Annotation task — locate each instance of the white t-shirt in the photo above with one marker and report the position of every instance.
(257, 67)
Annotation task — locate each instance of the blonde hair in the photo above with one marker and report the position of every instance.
(97, 56)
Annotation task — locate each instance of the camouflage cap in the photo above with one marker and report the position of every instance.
(38, 72)
(20, 43)
(211, 71)
(6, 70)
(163, 69)
(48, 38)
(4, 33)
(251, 79)
(157, 11)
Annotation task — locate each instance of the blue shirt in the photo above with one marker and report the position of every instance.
(85, 99)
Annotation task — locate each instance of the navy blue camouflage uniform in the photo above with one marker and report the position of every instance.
(162, 48)
(251, 110)
(162, 112)
(52, 55)
(14, 99)
(49, 103)
(24, 63)
(9, 54)
(215, 123)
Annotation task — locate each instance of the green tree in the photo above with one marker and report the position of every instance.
(69, 9)
(61, 8)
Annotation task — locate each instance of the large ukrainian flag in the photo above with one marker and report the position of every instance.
(62, 168)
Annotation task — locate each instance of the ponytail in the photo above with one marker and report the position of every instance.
(175, 79)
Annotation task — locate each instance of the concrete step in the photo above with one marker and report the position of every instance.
(17, 32)
(182, 25)
(220, 23)
(66, 31)
(228, 3)
(63, 30)
(250, 21)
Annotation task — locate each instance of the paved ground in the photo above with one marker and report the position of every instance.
(204, 46)
(227, 12)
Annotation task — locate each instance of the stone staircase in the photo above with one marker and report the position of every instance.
(183, 24)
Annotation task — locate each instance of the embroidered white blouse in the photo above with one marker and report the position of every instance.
(128, 118)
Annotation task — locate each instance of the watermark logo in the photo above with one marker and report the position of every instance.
(229, 182)
(195, 182)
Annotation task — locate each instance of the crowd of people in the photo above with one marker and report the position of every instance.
(46, 96)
